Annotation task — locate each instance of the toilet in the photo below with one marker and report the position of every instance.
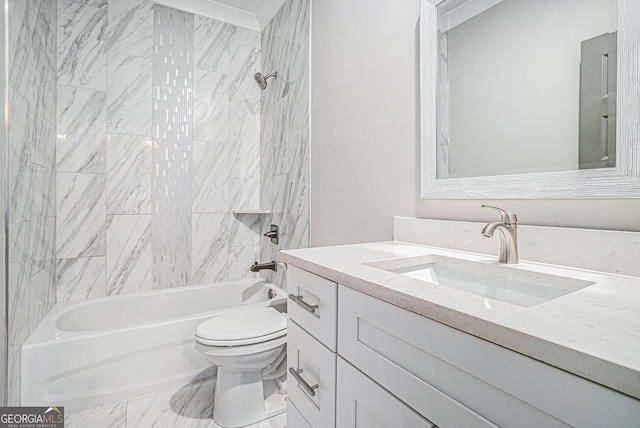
(249, 347)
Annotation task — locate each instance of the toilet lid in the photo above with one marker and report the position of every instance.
(242, 327)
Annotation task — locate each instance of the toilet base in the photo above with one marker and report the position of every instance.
(245, 398)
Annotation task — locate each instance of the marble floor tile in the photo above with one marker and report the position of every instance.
(107, 416)
(186, 406)
(189, 406)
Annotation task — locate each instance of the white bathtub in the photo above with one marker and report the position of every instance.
(93, 352)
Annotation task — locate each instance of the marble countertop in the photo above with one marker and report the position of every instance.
(593, 332)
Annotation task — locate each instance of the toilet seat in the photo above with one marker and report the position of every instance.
(243, 327)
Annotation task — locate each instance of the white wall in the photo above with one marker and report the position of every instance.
(364, 145)
(363, 118)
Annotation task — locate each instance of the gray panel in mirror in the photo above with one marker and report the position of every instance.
(525, 86)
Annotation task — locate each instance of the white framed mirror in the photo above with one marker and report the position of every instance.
(545, 153)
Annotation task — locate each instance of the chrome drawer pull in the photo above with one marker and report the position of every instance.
(305, 305)
(296, 374)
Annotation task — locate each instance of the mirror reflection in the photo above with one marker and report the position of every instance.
(526, 86)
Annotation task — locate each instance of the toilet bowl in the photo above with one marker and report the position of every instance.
(249, 348)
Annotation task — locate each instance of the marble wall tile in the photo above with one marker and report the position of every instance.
(81, 278)
(128, 254)
(281, 188)
(128, 174)
(31, 163)
(240, 261)
(298, 114)
(296, 235)
(82, 34)
(81, 130)
(80, 209)
(18, 326)
(129, 84)
(274, 119)
(244, 148)
(130, 27)
(43, 232)
(210, 247)
(22, 187)
(210, 177)
(43, 146)
(297, 201)
(19, 150)
(211, 106)
(244, 94)
(211, 40)
(246, 37)
(284, 175)
(19, 242)
(245, 230)
(244, 193)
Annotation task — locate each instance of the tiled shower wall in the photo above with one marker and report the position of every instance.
(106, 145)
(284, 141)
(81, 141)
(30, 176)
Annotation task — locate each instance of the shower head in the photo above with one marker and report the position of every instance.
(261, 80)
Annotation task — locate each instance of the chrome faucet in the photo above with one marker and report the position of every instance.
(508, 228)
(256, 267)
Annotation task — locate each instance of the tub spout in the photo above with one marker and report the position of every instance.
(256, 267)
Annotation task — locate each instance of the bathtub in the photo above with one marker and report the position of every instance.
(90, 353)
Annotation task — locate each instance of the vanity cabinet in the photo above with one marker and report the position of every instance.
(424, 373)
(362, 403)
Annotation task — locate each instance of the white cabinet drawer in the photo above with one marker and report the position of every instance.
(294, 418)
(316, 367)
(306, 291)
(362, 403)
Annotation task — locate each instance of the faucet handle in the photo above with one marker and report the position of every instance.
(505, 216)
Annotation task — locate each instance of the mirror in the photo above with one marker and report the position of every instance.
(519, 99)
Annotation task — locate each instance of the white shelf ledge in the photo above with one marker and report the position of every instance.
(252, 211)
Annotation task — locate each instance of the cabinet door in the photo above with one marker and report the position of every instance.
(313, 305)
(295, 418)
(313, 389)
(362, 403)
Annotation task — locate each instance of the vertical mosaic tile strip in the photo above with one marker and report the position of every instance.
(172, 146)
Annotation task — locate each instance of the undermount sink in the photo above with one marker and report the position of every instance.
(516, 286)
